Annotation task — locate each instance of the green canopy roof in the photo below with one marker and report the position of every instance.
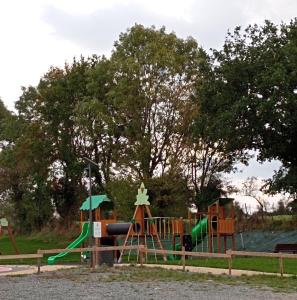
(97, 200)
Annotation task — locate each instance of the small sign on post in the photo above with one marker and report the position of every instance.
(97, 232)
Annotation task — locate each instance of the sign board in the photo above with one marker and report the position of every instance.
(97, 232)
(3, 222)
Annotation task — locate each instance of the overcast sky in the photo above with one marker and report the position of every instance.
(35, 34)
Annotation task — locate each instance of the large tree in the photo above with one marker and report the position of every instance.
(256, 87)
(51, 109)
(23, 183)
(211, 145)
(154, 76)
(96, 119)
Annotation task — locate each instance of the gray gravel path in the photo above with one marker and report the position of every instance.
(54, 286)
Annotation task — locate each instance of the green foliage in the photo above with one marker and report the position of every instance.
(50, 108)
(153, 71)
(206, 195)
(257, 73)
(169, 196)
(123, 193)
(97, 123)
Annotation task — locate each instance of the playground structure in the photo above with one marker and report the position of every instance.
(218, 222)
(5, 227)
(144, 229)
(106, 229)
(102, 214)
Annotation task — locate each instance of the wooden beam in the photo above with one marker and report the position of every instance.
(128, 234)
(188, 253)
(156, 232)
(11, 237)
(20, 256)
(99, 249)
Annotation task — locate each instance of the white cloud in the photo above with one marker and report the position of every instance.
(35, 34)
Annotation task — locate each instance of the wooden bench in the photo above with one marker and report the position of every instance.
(286, 248)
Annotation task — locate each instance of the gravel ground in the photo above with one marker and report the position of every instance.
(72, 285)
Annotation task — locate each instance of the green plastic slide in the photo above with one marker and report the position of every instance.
(198, 233)
(85, 233)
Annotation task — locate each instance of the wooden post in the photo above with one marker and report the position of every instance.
(229, 252)
(93, 256)
(141, 253)
(174, 242)
(12, 240)
(156, 232)
(128, 235)
(183, 258)
(219, 240)
(281, 265)
(96, 252)
(233, 242)
(38, 264)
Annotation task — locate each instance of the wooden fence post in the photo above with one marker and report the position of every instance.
(38, 263)
(183, 258)
(229, 252)
(281, 265)
(141, 253)
(93, 258)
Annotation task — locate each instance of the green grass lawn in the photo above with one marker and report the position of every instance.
(28, 245)
(261, 264)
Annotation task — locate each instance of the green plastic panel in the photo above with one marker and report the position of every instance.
(97, 200)
(85, 233)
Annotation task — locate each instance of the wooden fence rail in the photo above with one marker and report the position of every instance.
(91, 249)
(278, 255)
(20, 256)
(24, 256)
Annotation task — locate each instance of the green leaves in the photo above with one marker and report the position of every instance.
(258, 70)
(154, 74)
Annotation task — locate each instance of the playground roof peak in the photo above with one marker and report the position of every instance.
(97, 201)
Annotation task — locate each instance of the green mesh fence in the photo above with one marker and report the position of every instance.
(262, 241)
